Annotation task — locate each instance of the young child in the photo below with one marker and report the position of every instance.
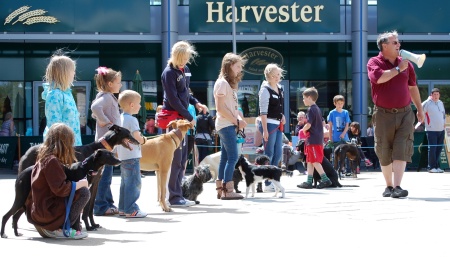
(105, 110)
(314, 140)
(60, 105)
(130, 170)
(338, 119)
(46, 204)
(355, 133)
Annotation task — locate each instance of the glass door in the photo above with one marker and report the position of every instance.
(81, 92)
(425, 87)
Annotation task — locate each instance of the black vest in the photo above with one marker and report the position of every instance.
(275, 110)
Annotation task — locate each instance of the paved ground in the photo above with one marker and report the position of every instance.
(349, 221)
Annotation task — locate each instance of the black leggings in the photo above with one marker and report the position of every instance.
(78, 205)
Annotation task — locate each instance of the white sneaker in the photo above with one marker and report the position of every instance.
(183, 203)
(269, 188)
(433, 170)
(439, 170)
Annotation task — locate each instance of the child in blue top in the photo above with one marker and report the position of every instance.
(130, 169)
(339, 121)
(60, 105)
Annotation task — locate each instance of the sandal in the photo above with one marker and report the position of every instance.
(115, 210)
(109, 212)
(136, 214)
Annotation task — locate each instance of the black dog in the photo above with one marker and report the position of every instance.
(257, 173)
(192, 185)
(77, 171)
(349, 151)
(237, 175)
(115, 136)
(327, 167)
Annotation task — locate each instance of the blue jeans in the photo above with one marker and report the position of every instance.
(229, 153)
(177, 171)
(130, 185)
(274, 145)
(435, 143)
(104, 199)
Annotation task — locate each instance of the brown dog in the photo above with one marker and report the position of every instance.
(157, 155)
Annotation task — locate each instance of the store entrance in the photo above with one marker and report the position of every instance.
(81, 92)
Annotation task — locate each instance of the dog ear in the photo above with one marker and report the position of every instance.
(173, 124)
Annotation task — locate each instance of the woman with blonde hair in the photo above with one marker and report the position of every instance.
(175, 81)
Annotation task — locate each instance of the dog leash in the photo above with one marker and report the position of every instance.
(68, 200)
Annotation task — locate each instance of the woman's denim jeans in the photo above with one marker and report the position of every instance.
(130, 185)
(435, 143)
(274, 145)
(229, 153)
(104, 199)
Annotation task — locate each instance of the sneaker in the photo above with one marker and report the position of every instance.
(182, 203)
(433, 170)
(439, 170)
(72, 234)
(399, 192)
(388, 191)
(368, 162)
(269, 188)
(305, 185)
(136, 214)
(323, 184)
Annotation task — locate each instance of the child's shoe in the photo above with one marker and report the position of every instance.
(368, 162)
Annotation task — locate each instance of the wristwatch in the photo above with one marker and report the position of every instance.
(398, 69)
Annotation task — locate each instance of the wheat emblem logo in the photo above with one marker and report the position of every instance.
(29, 17)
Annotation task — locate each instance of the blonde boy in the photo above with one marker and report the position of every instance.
(130, 170)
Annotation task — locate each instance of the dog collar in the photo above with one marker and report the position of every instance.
(105, 144)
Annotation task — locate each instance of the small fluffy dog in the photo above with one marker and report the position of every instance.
(237, 175)
(258, 173)
(192, 185)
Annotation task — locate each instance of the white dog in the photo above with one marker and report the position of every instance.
(213, 161)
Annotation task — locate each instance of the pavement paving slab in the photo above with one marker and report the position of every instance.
(347, 221)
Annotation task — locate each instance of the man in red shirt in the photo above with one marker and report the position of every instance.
(393, 82)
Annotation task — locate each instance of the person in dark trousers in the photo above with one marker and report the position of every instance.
(175, 82)
(434, 126)
(203, 138)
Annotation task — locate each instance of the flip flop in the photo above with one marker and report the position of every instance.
(110, 212)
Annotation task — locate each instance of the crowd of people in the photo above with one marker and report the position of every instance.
(388, 73)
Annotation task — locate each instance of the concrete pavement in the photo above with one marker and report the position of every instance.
(348, 221)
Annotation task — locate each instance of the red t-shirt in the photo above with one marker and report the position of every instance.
(395, 92)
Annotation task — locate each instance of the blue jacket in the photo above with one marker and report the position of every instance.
(176, 97)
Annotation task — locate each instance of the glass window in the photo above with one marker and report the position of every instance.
(12, 98)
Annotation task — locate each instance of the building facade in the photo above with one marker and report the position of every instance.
(322, 43)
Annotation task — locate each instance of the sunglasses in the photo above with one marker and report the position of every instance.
(394, 42)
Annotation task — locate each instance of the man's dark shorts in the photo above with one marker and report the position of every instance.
(394, 134)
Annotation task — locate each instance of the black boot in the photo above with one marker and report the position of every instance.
(259, 188)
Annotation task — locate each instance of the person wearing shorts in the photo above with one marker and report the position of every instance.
(313, 130)
(393, 83)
